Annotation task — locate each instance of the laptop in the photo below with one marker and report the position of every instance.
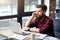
(16, 27)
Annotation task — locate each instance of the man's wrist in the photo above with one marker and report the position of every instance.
(29, 29)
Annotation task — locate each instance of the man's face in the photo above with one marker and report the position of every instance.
(40, 12)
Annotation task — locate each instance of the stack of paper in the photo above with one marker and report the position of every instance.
(9, 34)
(41, 36)
(6, 33)
(19, 37)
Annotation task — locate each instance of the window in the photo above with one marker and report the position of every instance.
(30, 5)
(24, 20)
(57, 4)
(8, 7)
(57, 15)
(5, 24)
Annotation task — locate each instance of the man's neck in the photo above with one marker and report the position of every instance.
(41, 18)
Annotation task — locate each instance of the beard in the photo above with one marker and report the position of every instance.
(39, 17)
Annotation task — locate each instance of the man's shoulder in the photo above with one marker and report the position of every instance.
(49, 18)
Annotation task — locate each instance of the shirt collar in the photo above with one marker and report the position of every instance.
(41, 19)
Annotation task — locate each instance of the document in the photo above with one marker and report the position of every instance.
(41, 36)
(17, 36)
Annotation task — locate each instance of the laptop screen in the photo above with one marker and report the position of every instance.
(15, 26)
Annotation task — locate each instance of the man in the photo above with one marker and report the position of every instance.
(39, 22)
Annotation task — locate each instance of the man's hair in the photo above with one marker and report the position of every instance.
(44, 7)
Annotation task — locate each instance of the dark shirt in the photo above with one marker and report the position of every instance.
(45, 27)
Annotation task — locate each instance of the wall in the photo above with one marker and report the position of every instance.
(52, 8)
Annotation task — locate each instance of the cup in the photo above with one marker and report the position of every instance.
(32, 36)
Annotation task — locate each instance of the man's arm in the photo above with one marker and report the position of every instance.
(44, 27)
(35, 30)
(29, 21)
(26, 27)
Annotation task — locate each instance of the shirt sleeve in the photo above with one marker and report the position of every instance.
(46, 25)
(32, 24)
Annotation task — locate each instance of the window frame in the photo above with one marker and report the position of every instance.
(29, 13)
(9, 16)
(20, 13)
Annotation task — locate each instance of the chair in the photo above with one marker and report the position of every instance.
(57, 27)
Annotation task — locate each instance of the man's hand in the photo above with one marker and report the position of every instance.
(34, 14)
(31, 29)
(25, 28)
(34, 30)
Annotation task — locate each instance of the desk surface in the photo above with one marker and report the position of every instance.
(39, 37)
(44, 36)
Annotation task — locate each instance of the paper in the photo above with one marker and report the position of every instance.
(51, 38)
(41, 36)
(19, 37)
(6, 33)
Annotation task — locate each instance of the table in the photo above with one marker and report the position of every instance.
(43, 36)
(36, 36)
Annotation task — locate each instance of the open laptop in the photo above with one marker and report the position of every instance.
(8, 27)
(16, 27)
